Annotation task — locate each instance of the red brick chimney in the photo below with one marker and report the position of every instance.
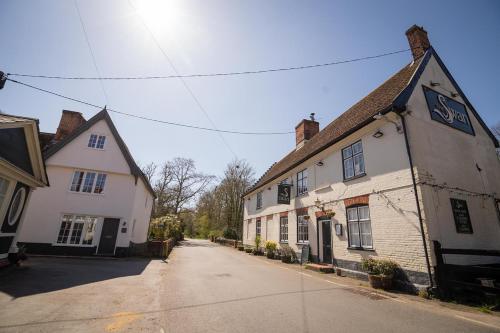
(70, 120)
(305, 130)
(418, 40)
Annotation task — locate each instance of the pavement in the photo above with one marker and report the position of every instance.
(204, 287)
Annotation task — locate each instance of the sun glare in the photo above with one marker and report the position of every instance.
(163, 16)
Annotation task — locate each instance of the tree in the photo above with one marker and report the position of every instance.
(496, 130)
(149, 170)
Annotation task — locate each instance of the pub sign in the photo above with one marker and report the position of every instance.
(284, 191)
(447, 111)
(461, 216)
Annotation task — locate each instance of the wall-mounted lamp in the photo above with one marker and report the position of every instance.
(319, 205)
(378, 134)
(454, 94)
(269, 188)
(380, 116)
(435, 84)
(320, 163)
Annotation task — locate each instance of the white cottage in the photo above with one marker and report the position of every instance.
(99, 202)
(409, 170)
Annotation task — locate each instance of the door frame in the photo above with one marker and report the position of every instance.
(322, 222)
(100, 233)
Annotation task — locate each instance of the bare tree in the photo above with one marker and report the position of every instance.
(149, 170)
(496, 130)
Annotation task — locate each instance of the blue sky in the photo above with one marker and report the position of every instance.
(219, 36)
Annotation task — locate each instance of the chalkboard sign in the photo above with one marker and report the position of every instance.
(461, 216)
(284, 191)
(304, 256)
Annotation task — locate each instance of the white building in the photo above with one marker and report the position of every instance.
(99, 201)
(409, 165)
(21, 170)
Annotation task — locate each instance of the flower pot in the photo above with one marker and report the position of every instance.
(380, 281)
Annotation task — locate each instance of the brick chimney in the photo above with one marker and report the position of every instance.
(305, 130)
(70, 120)
(418, 40)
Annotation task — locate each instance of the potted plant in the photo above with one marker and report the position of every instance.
(257, 251)
(287, 254)
(271, 249)
(380, 272)
(329, 213)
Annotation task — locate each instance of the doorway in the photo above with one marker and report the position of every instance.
(326, 233)
(108, 236)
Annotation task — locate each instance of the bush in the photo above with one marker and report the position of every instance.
(379, 266)
(287, 251)
(165, 227)
(230, 233)
(271, 246)
(257, 242)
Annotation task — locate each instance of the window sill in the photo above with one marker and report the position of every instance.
(74, 245)
(361, 249)
(302, 194)
(88, 194)
(355, 177)
(283, 242)
(302, 243)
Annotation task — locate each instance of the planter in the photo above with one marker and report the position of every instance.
(270, 255)
(248, 250)
(380, 281)
(258, 253)
(286, 259)
(241, 248)
(338, 271)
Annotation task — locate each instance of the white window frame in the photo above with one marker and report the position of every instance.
(82, 182)
(349, 158)
(302, 182)
(259, 200)
(96, 140)
(356, 222)
(73, 220)
(302, 229)
(258, 227)
(283, 229)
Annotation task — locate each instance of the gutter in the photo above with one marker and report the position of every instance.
(419, 211)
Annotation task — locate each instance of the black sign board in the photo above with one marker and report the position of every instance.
(448, 111)
(461, 216)
(284, 191)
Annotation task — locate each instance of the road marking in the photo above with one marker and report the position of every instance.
(478, 322)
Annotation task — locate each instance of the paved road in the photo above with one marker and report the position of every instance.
(202, 288)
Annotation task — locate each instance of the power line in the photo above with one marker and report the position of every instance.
(160, 77)
(145, 118)
(90, 51)
(184, 83)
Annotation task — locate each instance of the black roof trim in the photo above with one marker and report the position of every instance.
(103, 115)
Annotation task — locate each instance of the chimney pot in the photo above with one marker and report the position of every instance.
(418, 40)
(70, 121)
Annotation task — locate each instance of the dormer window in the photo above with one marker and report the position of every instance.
(96, 141)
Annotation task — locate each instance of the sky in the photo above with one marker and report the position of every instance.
(197, 36)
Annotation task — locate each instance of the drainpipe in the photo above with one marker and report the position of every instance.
(420, 219)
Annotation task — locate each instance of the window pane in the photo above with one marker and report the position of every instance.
(64, 230)
(346, 152)
(4, 185)
(77, 181)
(359, 164)
(357, 148)
(366, 233)
(353, 228)
(89, 182)
(302, 229)
(92, 141)
(76, 233)
(284, 229)
(89, 230)
(99, 184)
(100, 142)
(364, 213)
(348, 168)
(352, 214)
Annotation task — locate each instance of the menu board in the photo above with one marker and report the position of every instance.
(461, 216)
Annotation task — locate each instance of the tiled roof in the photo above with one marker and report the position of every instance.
(360, 114)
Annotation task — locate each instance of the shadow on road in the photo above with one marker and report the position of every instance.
(42, 275)
(196, 243)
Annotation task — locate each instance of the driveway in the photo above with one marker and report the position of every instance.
(203, 288)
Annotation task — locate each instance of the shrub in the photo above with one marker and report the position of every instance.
(257, 242)
(271, 246)
(288, 251)
(230, 233)
(379, 266)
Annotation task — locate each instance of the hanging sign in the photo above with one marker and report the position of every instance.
(448, 111)
(461, 216)
(284, 191)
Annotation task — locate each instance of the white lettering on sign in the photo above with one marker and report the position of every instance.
(447, 113)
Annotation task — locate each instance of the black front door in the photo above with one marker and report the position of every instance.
(108, 236)
(326, 232)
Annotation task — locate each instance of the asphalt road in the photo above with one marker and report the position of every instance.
(203, 288)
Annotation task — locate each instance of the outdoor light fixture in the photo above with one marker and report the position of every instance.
(434, 84)
(320, 163)
(454, 94)
(378, 134)
(318, 204)
(380, 116)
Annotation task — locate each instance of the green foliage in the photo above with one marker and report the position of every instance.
(214, 233)
(271, 246)
(257, 241)
(165, 227)
(379, 266)
(230, 233)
